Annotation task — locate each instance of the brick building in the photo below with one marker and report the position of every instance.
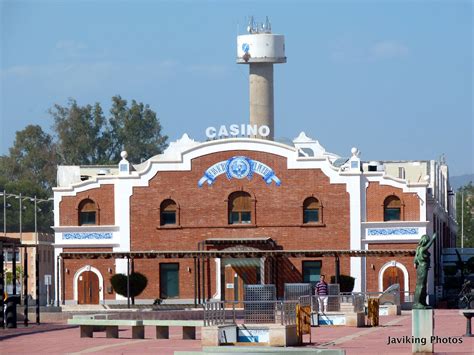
(247, 194)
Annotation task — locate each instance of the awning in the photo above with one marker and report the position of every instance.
(234, 254)
(241, 241)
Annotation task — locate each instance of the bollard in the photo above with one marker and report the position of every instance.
(373, 312)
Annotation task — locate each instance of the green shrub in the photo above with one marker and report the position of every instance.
(346, 283)
(138, 283)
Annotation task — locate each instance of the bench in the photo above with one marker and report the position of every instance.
(88, 325)
(162, 327)
(468, 313)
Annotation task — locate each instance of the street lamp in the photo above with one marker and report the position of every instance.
(5, 206)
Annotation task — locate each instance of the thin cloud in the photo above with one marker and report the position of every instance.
(70, 48)
(388, 49)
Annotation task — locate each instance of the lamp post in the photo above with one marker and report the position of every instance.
(37, 258)
(462, 219)
(4, 213)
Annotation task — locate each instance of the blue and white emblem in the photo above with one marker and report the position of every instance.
(245, 47)
(238, 168)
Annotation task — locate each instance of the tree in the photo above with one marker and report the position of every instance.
(81, 134)
(32, 158)
(465, 214)
(29, 169)
(86, 137)
(135, 129)
(30, 189)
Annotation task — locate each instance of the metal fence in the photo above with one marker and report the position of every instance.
(347, 303)
(253, 312)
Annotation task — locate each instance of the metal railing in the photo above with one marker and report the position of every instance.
(249, 312)
(348, 303)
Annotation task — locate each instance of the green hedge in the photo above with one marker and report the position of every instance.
(138, 283)
(450, 270)
(346, 283)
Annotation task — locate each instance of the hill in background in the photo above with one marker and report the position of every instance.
(461, 180)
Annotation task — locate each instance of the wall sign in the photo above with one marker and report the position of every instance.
(239, 167)
(235, 130)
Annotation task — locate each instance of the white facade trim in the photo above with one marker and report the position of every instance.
(76, 282)
(406, 281)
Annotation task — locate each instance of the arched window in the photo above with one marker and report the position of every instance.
(392, 209)
(240, 208)
(168, 211)
(88, 212)
(311, 210)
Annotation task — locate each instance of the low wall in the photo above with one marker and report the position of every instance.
(338, 318)
(268, 334)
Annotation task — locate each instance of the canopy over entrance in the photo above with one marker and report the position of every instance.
(151, 254)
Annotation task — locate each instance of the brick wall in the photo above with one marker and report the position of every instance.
(376, 194)
(203, 214)
(73, 265)
(373, 273)
(103, 196)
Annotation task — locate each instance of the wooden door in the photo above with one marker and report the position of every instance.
(88, 288)
(393, 275)
(236, 276)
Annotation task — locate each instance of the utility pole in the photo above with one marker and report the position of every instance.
(462, 219)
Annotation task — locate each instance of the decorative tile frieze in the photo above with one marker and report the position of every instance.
(87, 236)
(391, 231)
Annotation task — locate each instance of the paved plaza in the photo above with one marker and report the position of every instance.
(59, 338)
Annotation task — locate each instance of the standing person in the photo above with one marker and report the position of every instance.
(321, 289)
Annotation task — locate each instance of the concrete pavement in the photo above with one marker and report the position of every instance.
(59, 338)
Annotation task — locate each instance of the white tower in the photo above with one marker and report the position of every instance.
(261, 49)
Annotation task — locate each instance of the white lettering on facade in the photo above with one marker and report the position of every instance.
(235, 130)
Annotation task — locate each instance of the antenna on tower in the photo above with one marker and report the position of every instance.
(251, 25)
(268, 26)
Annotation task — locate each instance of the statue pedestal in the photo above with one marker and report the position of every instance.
(422, 321)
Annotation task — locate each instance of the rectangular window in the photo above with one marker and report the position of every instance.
(311, 216)
(168, 217)
(8, 256)
(401, 173)
(234, 217)
(87, 218)
(245, 217)
(311, 272)
(169, 280)
(240, 217)
(391, 214)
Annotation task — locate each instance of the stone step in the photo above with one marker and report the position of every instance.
(83, 307)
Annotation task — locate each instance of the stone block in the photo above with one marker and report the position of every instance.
(422, 330)
(355, 319)
(189, 332)
(138, 332)
(111, 332)
(87, 331)
(162, 332)
(210, 336)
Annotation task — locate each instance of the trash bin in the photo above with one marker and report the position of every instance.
(10, 311)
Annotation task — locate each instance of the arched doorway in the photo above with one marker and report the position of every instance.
(394, 275)
(88, 288)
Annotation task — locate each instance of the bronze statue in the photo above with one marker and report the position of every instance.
(422, 265)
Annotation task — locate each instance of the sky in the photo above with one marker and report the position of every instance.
(392, 78)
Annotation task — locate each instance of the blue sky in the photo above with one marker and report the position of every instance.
(393, 78)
